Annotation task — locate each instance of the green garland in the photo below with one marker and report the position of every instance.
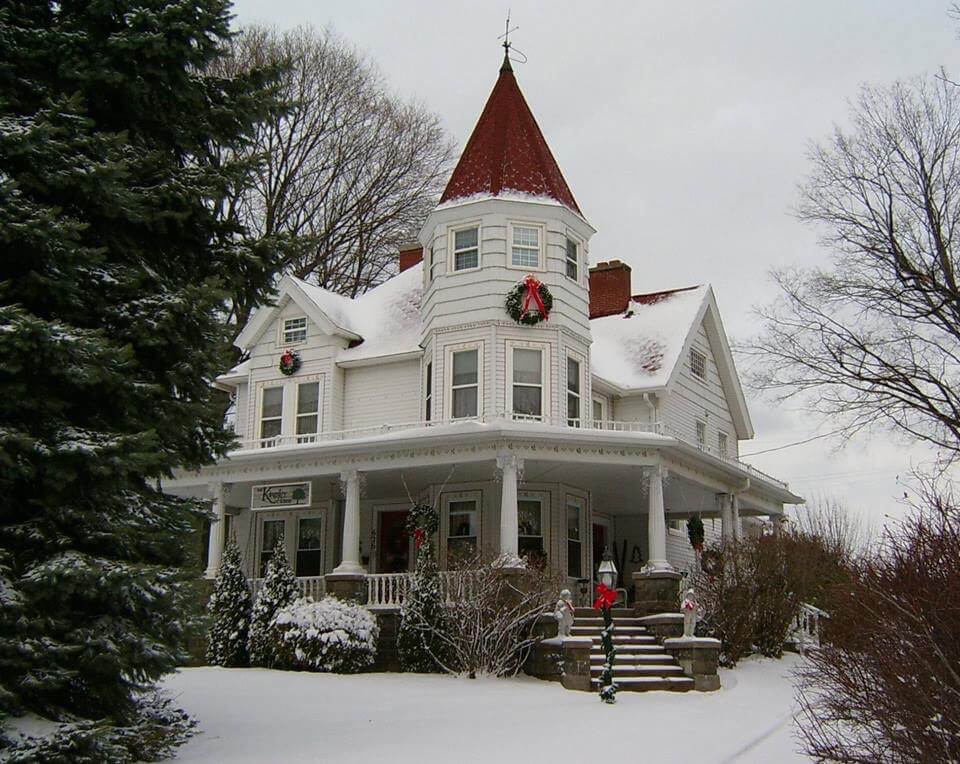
(695, 532)
(514, 304)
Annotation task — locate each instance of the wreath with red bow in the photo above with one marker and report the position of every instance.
(529, 302)
(289, 362)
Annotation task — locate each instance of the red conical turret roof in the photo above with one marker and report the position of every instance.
(507, 153)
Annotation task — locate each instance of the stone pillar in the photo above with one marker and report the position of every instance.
(350, 563)
(698, 658)
(656, 523)
(735, 514)
(510, 467)
(726, 517)
(656, 591)
(217, 529)
(576, 663)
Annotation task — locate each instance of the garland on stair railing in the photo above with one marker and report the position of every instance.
(604, 602)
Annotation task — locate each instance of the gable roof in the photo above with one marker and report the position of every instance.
(507, 155)
(382, 322)
(641, 349)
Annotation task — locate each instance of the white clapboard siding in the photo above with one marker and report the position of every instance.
(382, 394)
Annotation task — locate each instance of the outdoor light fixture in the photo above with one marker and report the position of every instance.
(607, 572)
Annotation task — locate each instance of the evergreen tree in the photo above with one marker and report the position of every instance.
(229, 609)
(419, 640)
(279, 589)
(113, 268)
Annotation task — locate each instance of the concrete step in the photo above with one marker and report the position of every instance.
(649, 683)
(654, 669)
(589, 612)
(598, 622)
(627, 639)
(629, 649)
(630, 659)
(580, 630)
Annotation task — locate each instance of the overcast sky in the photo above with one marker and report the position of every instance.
(682, 129)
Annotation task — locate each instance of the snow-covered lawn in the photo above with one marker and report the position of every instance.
(279, 716)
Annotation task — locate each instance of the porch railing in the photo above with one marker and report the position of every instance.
(655, 428)
(314, 587)
(387, 590)
(806, 627)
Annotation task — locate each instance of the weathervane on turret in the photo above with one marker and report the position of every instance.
(508, 47)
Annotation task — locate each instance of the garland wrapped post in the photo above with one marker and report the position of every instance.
(604, 602)
(695, 533)
(420, 641)
(529, 302)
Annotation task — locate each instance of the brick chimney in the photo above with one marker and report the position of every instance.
(410, 255)
(609, 288)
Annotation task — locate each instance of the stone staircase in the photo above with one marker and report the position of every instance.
(640, 663)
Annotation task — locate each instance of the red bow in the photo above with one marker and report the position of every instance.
(605, 597)
(532, 297)
(419, 536)
(287, 357)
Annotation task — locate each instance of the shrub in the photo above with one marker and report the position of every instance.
(329, 635)
(279, 589)
(229, 610)
(886, 686)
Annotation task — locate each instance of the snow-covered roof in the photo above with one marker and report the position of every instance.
(639, 348)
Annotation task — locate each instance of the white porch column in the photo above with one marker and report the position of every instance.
(656, 522)
(726, 517)
(350, 563)
(510, 466)
(735, 515)
(217, 529)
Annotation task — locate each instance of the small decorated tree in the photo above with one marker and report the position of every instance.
(279, 590)
(604, 602)
(229, 610)
(695, 533)
(420, 639)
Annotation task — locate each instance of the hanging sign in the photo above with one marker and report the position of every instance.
(280, 495)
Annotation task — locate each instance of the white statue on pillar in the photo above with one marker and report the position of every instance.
(689, 608)
(564, 613)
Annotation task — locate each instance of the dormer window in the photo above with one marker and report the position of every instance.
(525, 246)
(466, 248)
(698, 364)
(294, 330)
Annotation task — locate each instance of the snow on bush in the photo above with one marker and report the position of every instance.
(329, 635)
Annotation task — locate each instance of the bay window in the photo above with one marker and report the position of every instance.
(573, 260)
(462, 529)
(309, 561)
(428, 393)
(271, 415)
(527, 382)
(271, 532)
(573, 392)
(574, 539)
(466, 248)
(465, 383)
(308, 411)
(525, 246)
(530, 529)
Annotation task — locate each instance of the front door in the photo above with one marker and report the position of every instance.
(393, 542)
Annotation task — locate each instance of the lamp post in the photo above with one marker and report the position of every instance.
(606, 596)
(607, 572)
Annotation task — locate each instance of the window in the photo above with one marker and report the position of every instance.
(294, 330)
(722, 443)
(465, 387)
(309, 546)
(676, 527)
(572, 259)
(271, 415)
(698, 364)
(466, 248)
(308, 411)
(701, 434)
(527, 382)
(428, 396)
(597, 412)
(462, 534)
(433, 265)
(574, 542)
(573, 392)
(530, 529)
(271, 533)
(525, 246)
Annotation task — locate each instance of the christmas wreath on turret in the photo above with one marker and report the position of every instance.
(529, 302)
(289, 362)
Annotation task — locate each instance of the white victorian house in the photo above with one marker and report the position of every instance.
(606, 424)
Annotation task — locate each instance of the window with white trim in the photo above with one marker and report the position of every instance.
(574, 538)
(462, 526)
(722, 443)
(465, 383)
(308, 411)
(309, 559)
(573, 259)
(698, 364)
(433, 265)
(527, 382)
(530, 528)
(598, 416)
(466, 248)
(701, 433)
(294, 330)
(428, 394)
(573, 392)
(271, 415)
(271, 531)
(526, 245)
